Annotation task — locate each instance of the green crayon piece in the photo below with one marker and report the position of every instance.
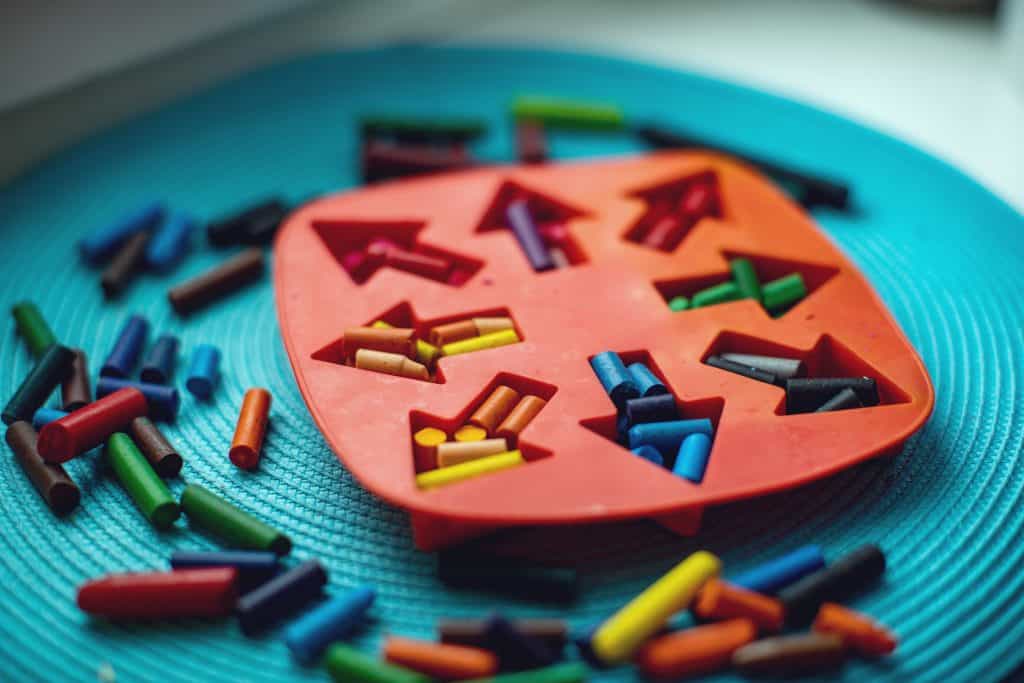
(31, 325)
(454, 128)
(719, 294)
(572, 672)
(745, 277)
(142, 483)
(348, 665)
(559, 113)
(784, 292)
(678, 303)
(46, 375)
(233, 525)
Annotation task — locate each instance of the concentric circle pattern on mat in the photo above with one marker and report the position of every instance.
(944, 254)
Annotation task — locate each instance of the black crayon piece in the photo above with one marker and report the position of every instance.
(657, 408)
(283, 595)
(837, 582)
(844, 400)
(809, 394)
(232, 229)
(52, 368)
(740, 369)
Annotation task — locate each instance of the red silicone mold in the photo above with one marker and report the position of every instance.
(612, 296)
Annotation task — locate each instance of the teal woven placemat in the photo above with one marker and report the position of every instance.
(944, 254)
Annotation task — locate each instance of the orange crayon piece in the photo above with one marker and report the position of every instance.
(695, 651)
(520, 417)
(720, 600)
(252, 424)
(438, 660)
(858, 631)
(495, 409)
(453, 332)
(387, 339)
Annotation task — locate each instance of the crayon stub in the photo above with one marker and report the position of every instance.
(667, 436)
(345, 664)
(453, 332)
(233, 525)
(90, 426)
(121, 361)
(739, 369)
(718, 294)
(562, 113)
(51, 481)
(519, 218)
(45, 416)
(96, 247)
(52, 368)
(145, 486)
(281, 596)
(695, 651)
(796, 655)
(250, 429)
(485, 341)
(777, 573)
(780, 294)
(495, 408)
(515, 649)
(470, 433)
(805, 395)
(647, 383)
(32, 327)
(745, 276)
(553, 632)
(332, 620)
(454, 452)
(845, 399)
(720, 600)
(858, 631)
(390, 340)
(782, 368)
(390, 364)
(75, 391)
(650, 454)
(678, 303)
(163, 401)
(468, 470)
(521, 416)
(438, 660)
(424, 443)
(203, 371)
(692, 459)
(158, 365)
(836, 582)
(208, 592)
(164, 457)
(618, 383)
(254, 567)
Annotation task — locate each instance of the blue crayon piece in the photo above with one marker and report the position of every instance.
(103, 243)
(774, 575)
(647, 383)
(45, 416)
(170, 241)
(254, 567)
(203, 371)
(125, 354)
(163, 400)
(333, 620)
(666, 436)
(692, 459)
(519, 219)
(615, 378)
(649, 453)
(158, 364)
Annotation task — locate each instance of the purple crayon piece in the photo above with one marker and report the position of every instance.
(518, 215)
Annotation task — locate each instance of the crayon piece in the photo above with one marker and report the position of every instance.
(780, 294)
(470, 632)
(346, 664)
(498, 405)
(33, 328)
(692, 459)
(384, 161)
(432, 267)
(525, 229)
(203, 371)
(75, 391)
(446, 662)
(531, 143)
(218, 282)
(745, 277)
(649, 453)
(619, 637)
(572, 114)
(126, 264)
(146, 488)
(125, 354)
(667, 436)
(261, 228)
(91, 425)
(494, 324)
(618, 383)
(163, 401)
(231, 229)
(101, 244)
(570, 672)
(52, 483)
(719, 600)
(250, 429)
(678, 303)
(236, 527)
(469, 470)
(718, 294)
(390, 340)
(698, 200)
(390, 364)
(739, 369)
(654, 408)
(455, 452)
(470, 433)
(161, 455)
(559, 258)
(516, 651)
(424, 444)
(427, 353)
(170, 241)
(777, 573)
(835, 583)
(52, 368)
(158, 364)
(520, 417)
(782, 368)
(453, 332)
(785, 656)
(665, 231)
(481, 343)
(843, 400)
(469, 570)
(806, 395)
(647, 383)
(45, 416)
(857, 631)
(336, 619)
(254, 567)
(161, 595)
(281, 596)
(695, 651)
(413, 129)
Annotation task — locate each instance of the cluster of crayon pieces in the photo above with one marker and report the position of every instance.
(362, 262)
(391, 350)
(395, 147)
(486, 443)
(776, 296)
(803, 394)
(648, 420)
(673, 211)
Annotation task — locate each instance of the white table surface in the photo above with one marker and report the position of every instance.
(939, 81)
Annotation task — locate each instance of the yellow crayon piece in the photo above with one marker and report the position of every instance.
(619, 637)
(484, 341)
(467, 470)
(381, 325)
(390, 364)
(426, 352)
(489, 325)
(425, 442)
(456, 452)
(470, 433)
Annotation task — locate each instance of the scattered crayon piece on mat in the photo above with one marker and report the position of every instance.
(53, 484)
(694, 651)
(91, 425)
(794, 655)
(158, 363)
(33, 328)
(247, 443)
(203, 371)
(143, 484)
(75, 391)
(238, 528)
(53, 367)
(281, 596)
(162, 401)
(182, 593)
(218, 282)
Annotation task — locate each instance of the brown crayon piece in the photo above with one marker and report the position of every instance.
(520, 417)
(552, 632)
(50, 480)
(796, 655)
(387, 339)
(453, 332)
(127, 262)
(217, 282)
(164, 457)
(495, 409)
(75, 391)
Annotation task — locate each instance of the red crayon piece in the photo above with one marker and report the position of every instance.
(90, 425)
(208, 592)
(697, 201)
(420, 264)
